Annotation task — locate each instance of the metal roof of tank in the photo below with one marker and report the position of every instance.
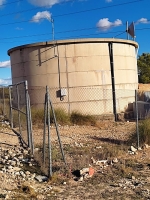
(74, 41)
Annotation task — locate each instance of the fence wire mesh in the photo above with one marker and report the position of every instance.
(77, 135)
(80, 137)
(15, 107)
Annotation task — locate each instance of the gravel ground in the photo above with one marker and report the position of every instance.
(125, 176)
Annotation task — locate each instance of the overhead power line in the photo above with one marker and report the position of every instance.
(120, 32)
(4, 4)
(27, 10)
(77, 12)
(60, 32)
(73, 37)
(104, 7)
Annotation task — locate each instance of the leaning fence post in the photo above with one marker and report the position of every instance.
(44, 134)
(137, 120)
(60, 144)
(49, 136)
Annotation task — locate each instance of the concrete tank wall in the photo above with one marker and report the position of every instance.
(78, 64)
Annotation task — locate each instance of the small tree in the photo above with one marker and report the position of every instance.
(144, 68)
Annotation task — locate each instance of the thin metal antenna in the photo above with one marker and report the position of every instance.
(53, 32)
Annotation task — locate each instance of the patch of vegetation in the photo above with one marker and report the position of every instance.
(61, 116)
(144, 133)
(81, 119)
(37, 115)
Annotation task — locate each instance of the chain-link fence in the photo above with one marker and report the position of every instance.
(70, 105)
(141, 109)
(87, 100)
(15, 107)
(90, 102)
(4, 101)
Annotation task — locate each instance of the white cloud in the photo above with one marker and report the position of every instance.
(47, 3)
(7, 81)
(104, 24)
(41, 16)
(2, 2)
(142, 21)
(108, 1)
(5, 64)
(19, 29)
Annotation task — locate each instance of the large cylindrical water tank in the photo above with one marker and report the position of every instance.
(82, 67)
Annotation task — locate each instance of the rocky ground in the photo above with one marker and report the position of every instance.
(102, 163)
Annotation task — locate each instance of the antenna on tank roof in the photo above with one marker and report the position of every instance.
(130, 29)
(53, 33)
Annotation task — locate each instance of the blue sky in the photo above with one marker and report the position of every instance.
(29, 21)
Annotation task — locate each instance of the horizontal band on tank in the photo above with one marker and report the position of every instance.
(74, 41)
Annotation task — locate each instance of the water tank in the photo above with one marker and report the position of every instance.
(79, 69)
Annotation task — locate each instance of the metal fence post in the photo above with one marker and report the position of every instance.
(3, 101)
(49, 136)
(27, 114)
(60, 144)
(18, 105)
(10, 103)
(137, 120)
(30, 119)
(44, 134)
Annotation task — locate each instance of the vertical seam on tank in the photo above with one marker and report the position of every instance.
(22, 60)
(67, 80)
(59, 78)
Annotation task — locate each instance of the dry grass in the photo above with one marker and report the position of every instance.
(81, 119)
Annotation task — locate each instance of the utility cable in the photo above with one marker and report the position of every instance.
(77, 12)
(4, 4)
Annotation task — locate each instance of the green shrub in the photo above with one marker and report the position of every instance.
(144, 131)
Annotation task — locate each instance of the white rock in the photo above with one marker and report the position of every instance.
(101, 162)
(80, 179)
(6, 157)
(22, 174)
(99, 147)
(115, 160)
(20, 157)
(13, 162)
(17, 169)
(25, 152)
(41, 178)
(84, 170)
(10, 167)
(27, 173)
(133, 149)
(146, 146)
